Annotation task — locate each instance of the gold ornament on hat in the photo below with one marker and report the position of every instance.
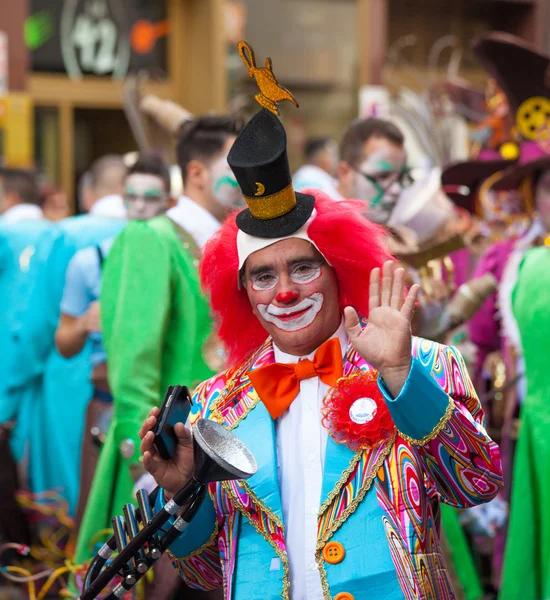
(260, 189)
(533, 118)
(270, 90)
(277, 204)
(509, 150)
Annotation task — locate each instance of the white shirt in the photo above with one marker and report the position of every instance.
(301, 445)
(195, 219)
(22, 212)
(111, 206)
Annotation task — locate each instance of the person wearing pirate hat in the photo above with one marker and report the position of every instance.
(517, 193)
(506, 211)
(354, 423)
(524, 75)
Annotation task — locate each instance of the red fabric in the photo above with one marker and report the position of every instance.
(278, 384)
(336, 412)
(351, 244)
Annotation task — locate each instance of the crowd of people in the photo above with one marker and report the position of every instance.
(405, 315)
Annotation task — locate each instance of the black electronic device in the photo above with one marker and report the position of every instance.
(175, 408)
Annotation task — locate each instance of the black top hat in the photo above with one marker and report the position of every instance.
(519, 69)
(462, 180)
(523, 74)
(259, 161)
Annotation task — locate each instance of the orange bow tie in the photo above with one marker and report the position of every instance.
(279, 384)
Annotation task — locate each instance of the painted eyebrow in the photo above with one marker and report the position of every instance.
(265, 268)
(149, 191)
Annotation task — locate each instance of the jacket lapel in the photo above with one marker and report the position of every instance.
(241, 410)
(348, 474)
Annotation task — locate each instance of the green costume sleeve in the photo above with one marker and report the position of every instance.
(526, 572)
(135, 306)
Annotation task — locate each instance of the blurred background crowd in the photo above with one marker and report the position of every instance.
(116, 118)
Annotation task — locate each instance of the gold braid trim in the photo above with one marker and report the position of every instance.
(436, 430)
(263, 506)
(339, 484)
(280, 553)
(215, 410)
(345, 515)
(201, 548)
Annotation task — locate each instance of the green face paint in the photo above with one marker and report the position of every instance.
(378, 197)
(225, 180)
(225, 188)
(385, 167)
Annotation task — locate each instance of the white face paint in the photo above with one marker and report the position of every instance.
(224, 185)
(144, 196)
(293, 318)
(379, 181)
(301, 273)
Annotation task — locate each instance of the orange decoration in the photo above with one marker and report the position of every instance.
(144, 35)
(334, 553)
(278, 384)
(271, 91)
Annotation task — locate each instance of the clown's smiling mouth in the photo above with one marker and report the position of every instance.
(294, 315)
(293, 318)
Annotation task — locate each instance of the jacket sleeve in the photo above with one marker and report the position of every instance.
(439, 414)
(135, 305)
(195, 554)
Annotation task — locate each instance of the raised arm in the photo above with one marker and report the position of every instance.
(429, 394)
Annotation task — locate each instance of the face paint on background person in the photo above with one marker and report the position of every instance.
(332, 158)
(382, 188)
(144, 196)
(225, 187)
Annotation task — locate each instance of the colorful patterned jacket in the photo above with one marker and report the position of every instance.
(381, 505)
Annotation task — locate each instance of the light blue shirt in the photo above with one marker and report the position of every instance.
(82, 287)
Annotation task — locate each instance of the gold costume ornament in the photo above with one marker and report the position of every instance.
(260, 189)
(533, 118)
(277, 204)
(270, 91)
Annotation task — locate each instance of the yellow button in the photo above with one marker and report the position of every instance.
(344, 596)
(334, 553)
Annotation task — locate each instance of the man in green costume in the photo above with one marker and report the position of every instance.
(527, 559)
(155, 322)
(526, 571)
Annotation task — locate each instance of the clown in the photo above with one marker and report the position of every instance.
(359, 429)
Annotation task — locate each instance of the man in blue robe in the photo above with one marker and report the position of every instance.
(44, 390)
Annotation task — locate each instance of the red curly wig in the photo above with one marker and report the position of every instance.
(352, 245)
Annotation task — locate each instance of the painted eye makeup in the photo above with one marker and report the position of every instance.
(263, 282)
(303, 273)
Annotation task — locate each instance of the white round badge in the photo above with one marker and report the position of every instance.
(362, 410)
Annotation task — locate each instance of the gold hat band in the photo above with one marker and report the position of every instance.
(273, 206)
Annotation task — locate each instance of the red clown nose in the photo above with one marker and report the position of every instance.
(286, 297)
